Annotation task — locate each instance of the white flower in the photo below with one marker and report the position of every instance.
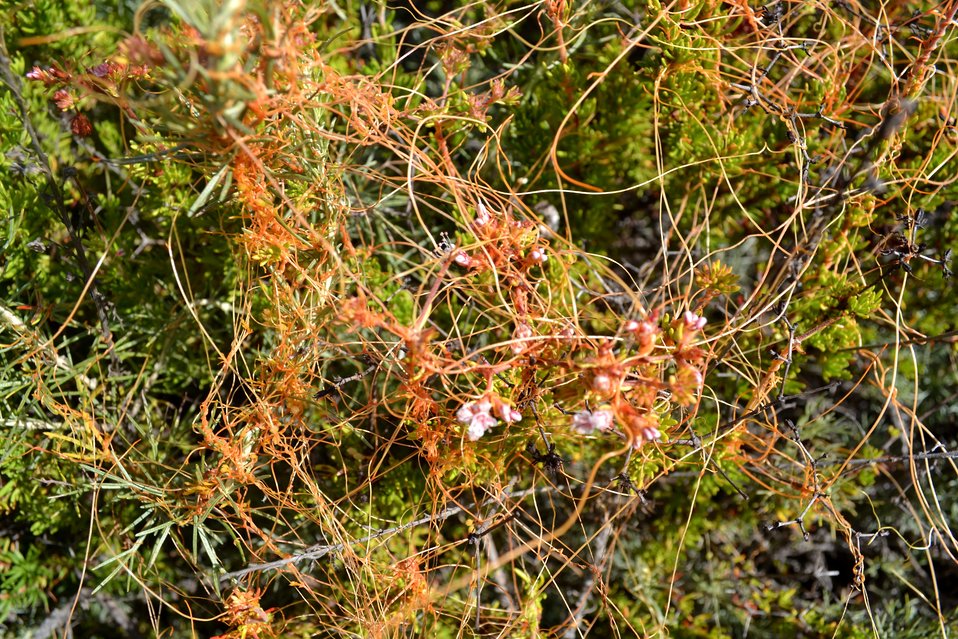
(468, 411)
(508, 414)
(602, 383)
(482, 214)
(479, 425)
(647, 434)
(587, 421)
(464, 414)
(462, 259)
(538, 255)
(645, 327)
(476, 415)
(522, 332)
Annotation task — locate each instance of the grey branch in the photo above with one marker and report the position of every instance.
(319, 551)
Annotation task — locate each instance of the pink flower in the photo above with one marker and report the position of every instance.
(462, 259)
(538, 255)
(479, 415)
(479, 425)
(647, 434)
(644, 332)
(509, 415)
(642, 428)
(476, 415)
(468, 411)
(587, 421)
(48, 76)
(646, 327)
(63, 99)
(694, 322)
(522, 333)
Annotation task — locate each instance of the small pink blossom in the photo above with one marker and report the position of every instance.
(509, 415)
(643, 330)
(587, 421)
(63, 99)
(48, 76)
(647, 434)
(463, 259)
(538, 256)
(522, 332)
(479, 425)
(644, 333)
(476, 415)
(694, 322)
(479, 418)
(469, 410)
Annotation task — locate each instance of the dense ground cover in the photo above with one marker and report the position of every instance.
(486, 319)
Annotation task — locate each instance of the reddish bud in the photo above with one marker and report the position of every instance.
(48, 76)
(81, 126)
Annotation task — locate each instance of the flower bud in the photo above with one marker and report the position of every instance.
(602, 384)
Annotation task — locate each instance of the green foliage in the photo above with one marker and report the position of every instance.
(27, 578)
(498, 320)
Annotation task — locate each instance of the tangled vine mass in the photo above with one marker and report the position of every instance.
(607, 318)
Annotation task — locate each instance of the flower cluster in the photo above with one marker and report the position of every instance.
(607, 371)
(645, 429)
(49, 76)
(629, 376)
(585, 422)
(101, 80)
(509, 244)
(538, 255)
(639, 428)
(689, 358)
(521, 335)
(479, 415)
(645, 335)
